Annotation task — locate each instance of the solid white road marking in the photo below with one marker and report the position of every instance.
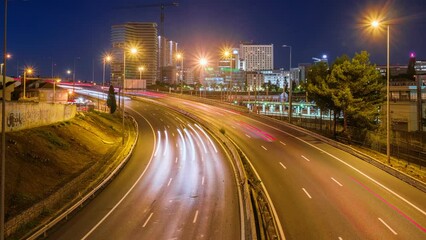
(282, 165)
(265, 148)
(306, 192)
(336, 181)
(388, 227)
(131, 188)
(168, 184)
(195, 217)
(248, 136)
(146, 222)
(306, 158)
(350, 166)
(283, 143)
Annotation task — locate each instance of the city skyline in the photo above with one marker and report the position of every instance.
(75, 34)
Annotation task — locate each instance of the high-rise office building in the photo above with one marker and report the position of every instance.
(167, 60)
(143, 35)
(257, 57)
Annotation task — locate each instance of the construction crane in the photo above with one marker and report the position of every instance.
(162, 6)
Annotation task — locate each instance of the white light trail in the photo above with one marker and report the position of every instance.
(157, 147)
(199, 137)
(208, 137)
(183, 143)
(191, 142)
(166, 149)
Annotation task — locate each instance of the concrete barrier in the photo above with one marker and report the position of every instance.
(25, 115)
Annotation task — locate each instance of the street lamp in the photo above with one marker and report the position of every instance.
(141, 69)
(179, 56)
(29, 71)
(7, 56)
(107, 58)
(376, 24)
(132, 51)
(203, 62)
(3, 130)
(290, 90)
(54, 88)
(227, 55)
(73, 74)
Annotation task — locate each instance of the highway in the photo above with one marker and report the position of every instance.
(178, 184)
(319, 191)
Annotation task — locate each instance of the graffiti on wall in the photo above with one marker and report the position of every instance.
(14, 120)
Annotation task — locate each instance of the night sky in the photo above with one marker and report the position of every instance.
(42, 32)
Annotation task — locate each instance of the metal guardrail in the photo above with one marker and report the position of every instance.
(43, 229)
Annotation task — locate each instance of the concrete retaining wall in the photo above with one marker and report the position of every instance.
(24, 115)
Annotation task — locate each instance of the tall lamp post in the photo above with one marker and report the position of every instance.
(290, 90)
(179, 57)
(376, 24)
(3, 128)
(54, 89)
(141, 69)
(107, 58)
(6, 57)
(29, 71)
(203, 63)
(132, 51)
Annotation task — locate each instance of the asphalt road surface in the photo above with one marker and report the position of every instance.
(319, 191)
(178, 184)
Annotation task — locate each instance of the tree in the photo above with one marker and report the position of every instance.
(359, 91)
(111, 102)
(319, 89)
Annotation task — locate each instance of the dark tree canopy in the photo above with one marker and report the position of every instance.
(111, 102)
(352, 87)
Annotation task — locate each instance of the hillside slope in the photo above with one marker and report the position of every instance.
(41, 160)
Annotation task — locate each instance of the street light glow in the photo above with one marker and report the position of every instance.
(375, 23)
(133, 50)
(203, 61)
(107, 58)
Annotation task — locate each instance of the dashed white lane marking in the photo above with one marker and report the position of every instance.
(306, 158)
(195, 217)
(265, 148)
(340, 238)
(388, 227)
(282, 165)
(309, 196)
(283, 143)
(146, 222)
(202, 181)
(172, 133)
(168, 126)
(176, 160)
(168, 184)
(336, 182)
(248, 136)
(233, 127)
